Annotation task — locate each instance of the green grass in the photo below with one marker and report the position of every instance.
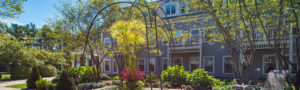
(24, 85)
(5, 76)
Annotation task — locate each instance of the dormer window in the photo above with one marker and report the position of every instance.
(170, 9)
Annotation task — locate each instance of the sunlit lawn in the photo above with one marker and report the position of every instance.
(24, 85)
(5, 76)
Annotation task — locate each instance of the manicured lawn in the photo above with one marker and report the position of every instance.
(5, 76)
(24, 85)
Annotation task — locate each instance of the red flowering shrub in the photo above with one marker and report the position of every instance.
(131, 74)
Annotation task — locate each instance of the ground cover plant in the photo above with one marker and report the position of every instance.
(24, 85)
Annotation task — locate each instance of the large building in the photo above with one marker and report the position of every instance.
(198, 51)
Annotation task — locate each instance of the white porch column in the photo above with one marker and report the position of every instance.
(200, 44)
(291, 45)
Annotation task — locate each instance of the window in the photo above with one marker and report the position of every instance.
(106, 65)
(258, 35)
(271, 33)
(151, 65)
(269, 63)
(182, 9)
(195, 36)
(106, 40)
(165, 63)
(227, 64)
(194, 63)
(115, 66)
(170, 9)
(178, 37)
(208, 63)
(178, 61)
(142, 64)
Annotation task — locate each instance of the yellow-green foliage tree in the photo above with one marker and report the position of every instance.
(130, 37)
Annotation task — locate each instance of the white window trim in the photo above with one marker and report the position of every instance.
(263, 63)
(176, 9)
(181, 58)
(190, 68)
(114, 61)
(181, 38)
(213, 57)
(106, 39)
(148, 65)
(224, 64)
(162, 68)
(144, 64)
(192, 35)
(109, 65)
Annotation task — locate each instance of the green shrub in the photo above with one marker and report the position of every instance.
(19, 72)
(222, 85)
(34, 76)
(200, 78)
(153, 77)
(85, 74)
(288, 87)
(88, 74)
(47, 70)
(88, 86)
(116, 78)
(42, 84)
(175, 75)
(65, 82)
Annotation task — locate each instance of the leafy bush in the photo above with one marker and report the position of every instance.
(153, 77)
(222, 85)
(200, 78)
(175, 75)
(88, 74)
(288, 87)
(85, 74)
(20, 72)
(88, 86)
(65, 82)
(42, 84)
(116, 78)
(34, 76)
(47, 70)
(140, 85)
(104, 77)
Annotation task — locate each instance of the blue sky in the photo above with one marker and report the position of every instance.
(36, 12)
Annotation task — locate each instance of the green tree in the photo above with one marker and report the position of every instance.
(11, 8)
(130, 37)
(239, 22)
(34, 76)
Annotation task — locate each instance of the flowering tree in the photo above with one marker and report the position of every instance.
(130, 39)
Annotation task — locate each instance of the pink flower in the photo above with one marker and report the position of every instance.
(131, 74)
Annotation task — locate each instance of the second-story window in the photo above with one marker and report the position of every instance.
(182, 9)
(195, 36)
(106, 40)
(170, 9)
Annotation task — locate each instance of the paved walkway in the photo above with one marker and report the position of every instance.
(13, 82)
